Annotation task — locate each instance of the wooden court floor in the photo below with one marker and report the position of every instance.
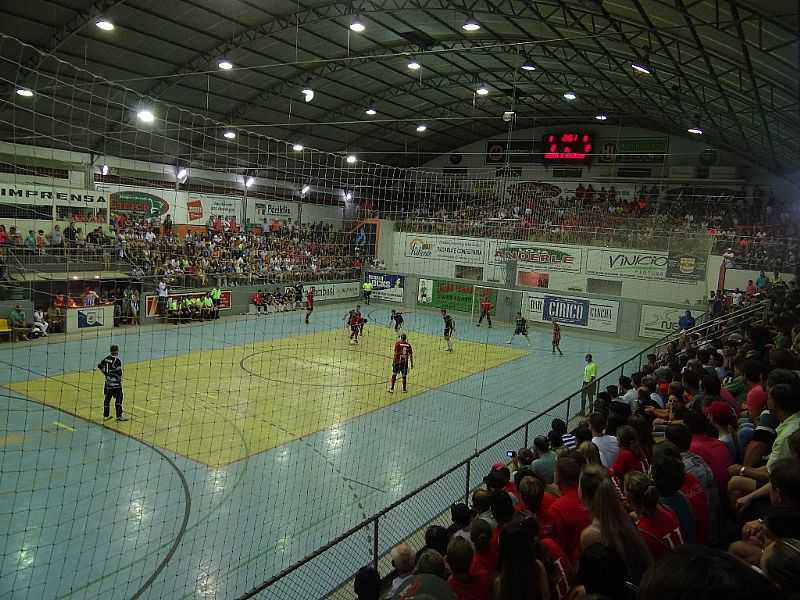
(222, 405)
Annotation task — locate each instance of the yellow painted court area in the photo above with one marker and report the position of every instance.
(219, 406)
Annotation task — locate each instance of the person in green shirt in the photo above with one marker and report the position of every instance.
(207, 307)
(589, 387)
(18, 322)
(172, 310)
(216, 295)
(366, 288)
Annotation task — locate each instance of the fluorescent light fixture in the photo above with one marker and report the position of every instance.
(421, 128)
(570, 95)
(371, 111)
(357, 25)
(414, 65)
(24, 92)
(97, 276)
(348, 196)
(182, 173)
(601, 117)
(104, 170)
(482, 91)
(146, 116)
(640, 68)
(308, 94)
(695, 130)
(225, 64)
(351, 159)
(528, 66)
(249, 182)
(230, 135)
(297, 147)
(305, 189)
(75, 277)
(104, 24)
(471, 24)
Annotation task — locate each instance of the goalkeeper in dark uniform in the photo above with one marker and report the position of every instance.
(111, 368)
(520, 328)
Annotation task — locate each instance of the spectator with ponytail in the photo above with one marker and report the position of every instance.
(520, 575)
(630, 457)
(658, 525)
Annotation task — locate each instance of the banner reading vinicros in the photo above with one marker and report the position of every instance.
(587, 313)
(441, 247)
(627, 264)
(386, 287)
(545, 257)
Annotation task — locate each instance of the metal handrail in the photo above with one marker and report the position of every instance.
(759, 308)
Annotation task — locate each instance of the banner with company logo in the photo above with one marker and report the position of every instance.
(386, 287)
(200, 207)
(627, 264)
(151, 302)
(453, 296)
(441, 247)
(658, 321)
(546, 257)
(587, 313)
(96, 317)
(336, 291)
(46, 195)
(266, 211)
(686, 266)
(146, 203)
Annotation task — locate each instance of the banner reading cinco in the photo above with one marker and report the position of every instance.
(453, 296)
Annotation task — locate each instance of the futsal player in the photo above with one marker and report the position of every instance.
(356, 325)
(111, 368)
(402, 362)
(309, 303)
(557, 338)
(520, 328)
(396, 318)
(449, 329)
(486, 306)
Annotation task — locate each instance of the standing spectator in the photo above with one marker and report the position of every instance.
(559, 427)
(520, 573)
(30, 240)
(589, 386)
(403, 563)
(606, 444)
(55, 237)
(163, 294)
(569, 515)
(762, 282)
(544, 464)
(687, 321)
(466, 581)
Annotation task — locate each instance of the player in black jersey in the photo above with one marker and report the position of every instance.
(449, 329)
(520, 328)
(397, 318)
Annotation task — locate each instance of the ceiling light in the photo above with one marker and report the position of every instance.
(348, 196)
(528, 66)
(225, 64)
(250, 181)
(601, 117)
(306, 188)
(75, 277)
(640, 68)
(357, 25)
(471, 24)
(146, 116)
(24, 92)
(371, 110)
(414, 65)
(297, 147)
(104, 170)
(182, 173)
(695, 130)
(308, 94)
(421, 128)
(231, 135)
(104, 24)
(97, 276)
(351, 159)
(570, 95)
(482, 91)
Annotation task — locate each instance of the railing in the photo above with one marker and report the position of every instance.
(326, 568)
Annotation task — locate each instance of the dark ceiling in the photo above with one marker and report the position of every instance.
(728, 66)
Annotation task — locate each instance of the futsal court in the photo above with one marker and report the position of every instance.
(245, 407)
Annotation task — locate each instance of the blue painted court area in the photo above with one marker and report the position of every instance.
(87, 512)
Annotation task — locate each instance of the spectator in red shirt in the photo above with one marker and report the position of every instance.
(630, 456)
(466, 581)
(520, 573)
(503, 513)
(537, 502)
(568, 514)
(484, 558)
(756, 399)
(556, 563)
(658, 525)
(711, 450)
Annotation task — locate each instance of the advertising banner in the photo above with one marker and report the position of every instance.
(453, 296)
(635, 151)
(627, 264)
(597, 315)
(545, 257)
(686, 266)
(266, 211)
(146, 203)
(151, 302)
(386, 287)
(658, 321)
(441, 247)
(90, 317)
(336, 291)
(199, 207)
(46, 195)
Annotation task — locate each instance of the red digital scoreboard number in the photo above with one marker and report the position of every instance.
(568, 146)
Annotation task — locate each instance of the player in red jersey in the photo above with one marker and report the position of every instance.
(356, 323)
(486, 307)
(309, 303)
(402, 362)
(557, 338)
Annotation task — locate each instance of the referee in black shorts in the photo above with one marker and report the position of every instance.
(111, 368)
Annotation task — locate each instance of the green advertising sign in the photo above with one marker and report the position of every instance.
(138, 204)
(451, 295)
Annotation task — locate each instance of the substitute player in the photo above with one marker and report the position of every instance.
(356, 324)
(397, 318)
(557, 338)
(486, 307)
(449, 329)
(309, 303)
(111, 368)
(402, 362)
(520, 328)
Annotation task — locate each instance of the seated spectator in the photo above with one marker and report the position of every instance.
(611, 524)
(485, 556)
(569, 515)
(590, 453)
(658, 525)
(424, 586)
(630, 456)
(559, 570)
(560, 427)
(710, 449)
(520, 574)
(367, 584)
(466, 582)
(403, 562)
(781, 565)
(628, 393)
(601, 574)
(40, 325)
(522, 460)
(544, 464)
(668, 475)
(756, 397)
(537, 502)
(780, 521)
(431, 562)
(461, 516)
(18, 323)
(436, 538)
(606, 444)
(724, 421)
(482, 505)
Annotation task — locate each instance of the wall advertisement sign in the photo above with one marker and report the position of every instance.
(587, 313)
(627, 264)
(386, 286)
(657, 321)
(438, 247)
(545, 257)
(200, 207)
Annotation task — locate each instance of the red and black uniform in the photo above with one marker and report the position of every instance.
(402, 357)
(557, 338)
(258, 300)
(309, 304)
(356, 321)
(486, 308)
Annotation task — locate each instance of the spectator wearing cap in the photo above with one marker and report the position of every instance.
(544, 464)
(569, 516)
(403, 562)
(560, 427)
(606, 444)
(724, 421)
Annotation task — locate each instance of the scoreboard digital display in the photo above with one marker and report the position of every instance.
(570, 146)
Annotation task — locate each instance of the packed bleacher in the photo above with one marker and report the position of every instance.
(682, 481)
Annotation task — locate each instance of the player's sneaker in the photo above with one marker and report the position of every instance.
(508, 342)
(390, 390)
(123, 418)
(107, 417)
(404, 391)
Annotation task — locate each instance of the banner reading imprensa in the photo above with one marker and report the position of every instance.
(386, 287)
(587, 313)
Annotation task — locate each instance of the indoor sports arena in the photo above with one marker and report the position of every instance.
(364, 300)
